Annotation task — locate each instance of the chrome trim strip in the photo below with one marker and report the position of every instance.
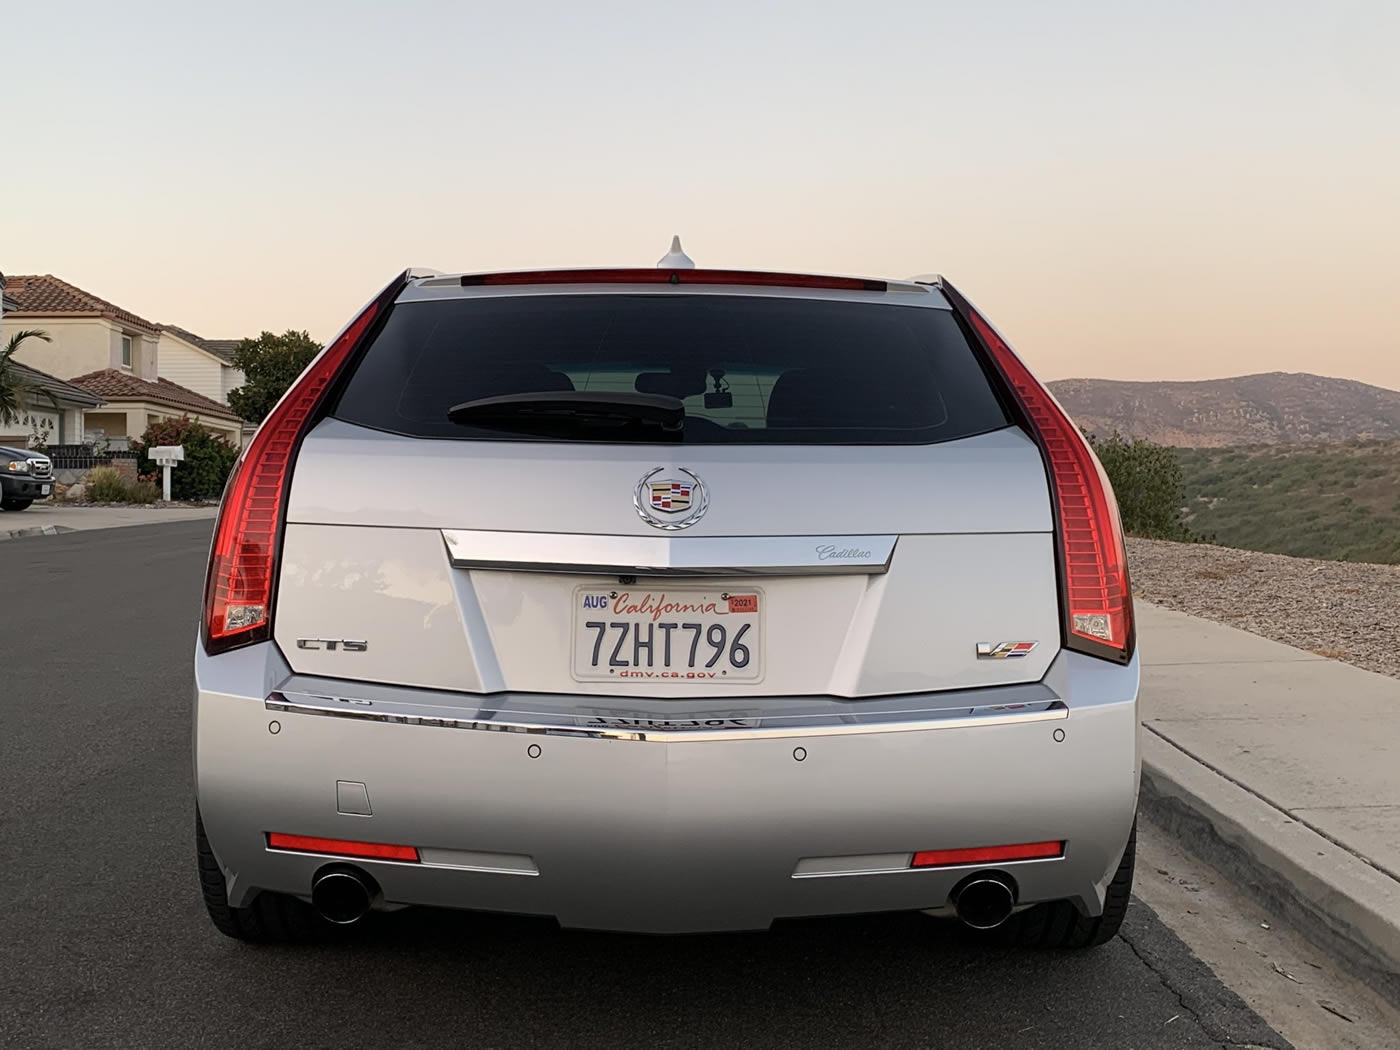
(906, 869)
(668, 555)
(862, 864)
(359, 708)
(475, 860)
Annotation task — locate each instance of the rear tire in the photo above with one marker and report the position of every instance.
(15, 504)
(269, 918)
(1059, 924)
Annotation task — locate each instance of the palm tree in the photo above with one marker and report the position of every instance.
(13, 390)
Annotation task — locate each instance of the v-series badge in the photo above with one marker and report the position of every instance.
(349, 645)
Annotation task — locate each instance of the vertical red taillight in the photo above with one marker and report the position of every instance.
(1098, 601)
(238, 590)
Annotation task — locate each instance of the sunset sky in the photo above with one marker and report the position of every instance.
(1130, 190)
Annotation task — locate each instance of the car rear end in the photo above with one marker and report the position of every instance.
(681, 600)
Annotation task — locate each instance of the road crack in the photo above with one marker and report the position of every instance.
(1148, 960)
(1217, 1011)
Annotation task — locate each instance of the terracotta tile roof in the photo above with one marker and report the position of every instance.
(116, 385)
(45, 295)
(60, 389)
(220, 348)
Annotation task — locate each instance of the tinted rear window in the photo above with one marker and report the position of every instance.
(749, 369)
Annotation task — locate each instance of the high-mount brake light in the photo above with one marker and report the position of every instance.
(675, 276)
(239, 588)
(1095, 589)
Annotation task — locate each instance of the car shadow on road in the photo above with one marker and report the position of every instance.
(886, 980)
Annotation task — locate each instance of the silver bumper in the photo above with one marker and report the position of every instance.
(622, 821)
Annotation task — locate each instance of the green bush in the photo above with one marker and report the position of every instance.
(142, 491)
(1149, 484)
(205, 468)
(106, 485)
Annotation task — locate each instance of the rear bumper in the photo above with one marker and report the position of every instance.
(671, 832)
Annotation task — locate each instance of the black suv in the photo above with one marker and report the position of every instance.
(24, 477)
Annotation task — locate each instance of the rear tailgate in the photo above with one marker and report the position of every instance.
(818, 568)
(365, 558)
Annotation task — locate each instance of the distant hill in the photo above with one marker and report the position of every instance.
(1337, 501)
(1272, 408)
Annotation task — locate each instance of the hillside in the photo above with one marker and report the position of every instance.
(1266, 409)
(1338, 502)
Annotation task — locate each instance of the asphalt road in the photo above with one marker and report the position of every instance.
(104, 941)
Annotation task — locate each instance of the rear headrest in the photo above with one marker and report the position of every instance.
(469, 380)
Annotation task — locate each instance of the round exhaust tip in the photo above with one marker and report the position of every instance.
(984, 902)
(342, 896)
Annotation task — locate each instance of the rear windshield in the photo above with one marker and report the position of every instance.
(748, 369)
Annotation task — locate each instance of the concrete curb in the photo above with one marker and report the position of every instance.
(1335, 898)
(38, 530)
(58, 520)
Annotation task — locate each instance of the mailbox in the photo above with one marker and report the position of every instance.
(167, 456)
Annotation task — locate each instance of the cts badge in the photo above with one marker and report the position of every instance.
(348, 645)
(1003, 650)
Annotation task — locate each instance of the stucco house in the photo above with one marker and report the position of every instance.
(112, 353)
(52, 411)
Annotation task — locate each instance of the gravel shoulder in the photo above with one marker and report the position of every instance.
(1341, 610)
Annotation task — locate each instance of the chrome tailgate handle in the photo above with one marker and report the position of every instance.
(668, 555)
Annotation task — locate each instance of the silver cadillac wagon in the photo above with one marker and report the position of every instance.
(667, 599)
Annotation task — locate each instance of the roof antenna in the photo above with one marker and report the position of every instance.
(675, 259)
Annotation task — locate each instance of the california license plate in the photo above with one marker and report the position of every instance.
(639, 634)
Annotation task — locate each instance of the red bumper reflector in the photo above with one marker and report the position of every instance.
(341, 847)
(943, 858)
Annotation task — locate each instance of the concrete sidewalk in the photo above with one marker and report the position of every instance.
(1284, 768)
(51, 518)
